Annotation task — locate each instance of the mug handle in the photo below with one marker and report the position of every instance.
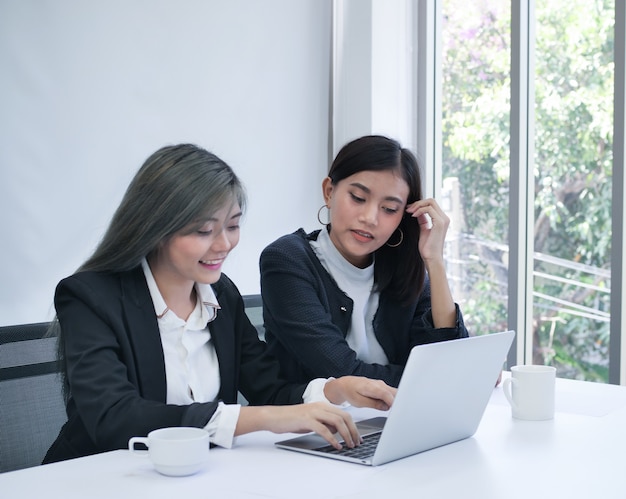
(138, 440)
(507, 389)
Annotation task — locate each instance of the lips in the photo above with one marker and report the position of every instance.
(213, 264)
(362, 236)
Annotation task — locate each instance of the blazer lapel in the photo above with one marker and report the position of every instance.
(143, 333)
(222, 335)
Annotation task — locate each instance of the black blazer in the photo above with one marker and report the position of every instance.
(115, 365)
(307, 316)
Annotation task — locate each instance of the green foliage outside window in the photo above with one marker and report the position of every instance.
(573, 128)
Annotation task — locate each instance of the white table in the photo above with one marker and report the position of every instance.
(579, 454)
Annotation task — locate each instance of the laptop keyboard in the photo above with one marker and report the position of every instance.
(363, 451)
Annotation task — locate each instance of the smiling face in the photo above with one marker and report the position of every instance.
(365, 210)
(198, 255)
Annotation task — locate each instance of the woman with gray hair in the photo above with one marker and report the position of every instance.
(152, 334)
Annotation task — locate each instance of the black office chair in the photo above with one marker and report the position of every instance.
(254, 311)
(32, 410)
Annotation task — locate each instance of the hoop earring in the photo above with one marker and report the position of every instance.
(399, 242)
(319, 212)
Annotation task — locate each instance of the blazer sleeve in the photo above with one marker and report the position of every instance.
(423, 329)
(110, 393)
(300, 316)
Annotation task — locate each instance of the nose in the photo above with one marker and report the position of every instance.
(222, 241)
(369, 214)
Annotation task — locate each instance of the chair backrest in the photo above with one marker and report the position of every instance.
(32, 409)
(254, 311)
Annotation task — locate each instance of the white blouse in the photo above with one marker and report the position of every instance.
(191, 364)
(358, 284)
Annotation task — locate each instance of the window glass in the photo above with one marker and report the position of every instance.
(475, 158)
(572, 174)
(571, 170)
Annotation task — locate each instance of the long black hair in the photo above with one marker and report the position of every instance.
(399, 270)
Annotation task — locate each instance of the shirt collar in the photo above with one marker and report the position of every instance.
(204, 291)
(325, 248)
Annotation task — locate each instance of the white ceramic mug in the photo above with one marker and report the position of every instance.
(177, 451)
(530, 391)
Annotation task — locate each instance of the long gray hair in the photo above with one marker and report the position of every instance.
(176, 187)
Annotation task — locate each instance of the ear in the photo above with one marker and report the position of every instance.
(327, 189)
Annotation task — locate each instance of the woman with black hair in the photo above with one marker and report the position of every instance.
(356, 296)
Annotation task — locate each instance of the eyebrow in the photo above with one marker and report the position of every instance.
(368, 190)
(213, 219)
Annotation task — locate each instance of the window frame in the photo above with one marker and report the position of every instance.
(520, 300)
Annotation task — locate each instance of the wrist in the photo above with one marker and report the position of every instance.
(252, 418)
(333, 391)
(435, 265)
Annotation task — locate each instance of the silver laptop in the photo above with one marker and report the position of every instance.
(441, 399)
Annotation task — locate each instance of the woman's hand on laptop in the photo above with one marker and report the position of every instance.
(321, 417)
(360, 392)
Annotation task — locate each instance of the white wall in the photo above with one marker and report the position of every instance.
(89, 89)
(375, 71)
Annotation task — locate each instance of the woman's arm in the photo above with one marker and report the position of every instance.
(261, 384)
(443, 308)
(434, 225)
(321, 417)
